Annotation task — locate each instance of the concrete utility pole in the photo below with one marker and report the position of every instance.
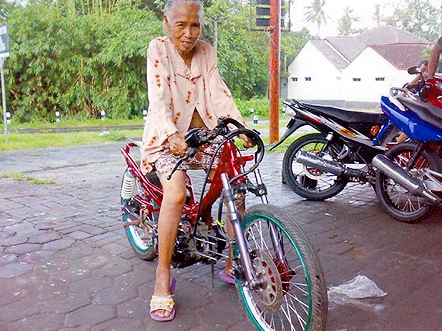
(274, 62)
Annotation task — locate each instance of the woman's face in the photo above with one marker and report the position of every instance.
(184, 27)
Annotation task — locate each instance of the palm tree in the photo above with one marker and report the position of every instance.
(346, 21)
(377, 16)
(316, 14)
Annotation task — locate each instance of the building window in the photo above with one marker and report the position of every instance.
(294, 79)
(380, 79)
(308, 79)
(356, 79)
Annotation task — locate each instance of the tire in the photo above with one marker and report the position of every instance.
(141, 236)
(395, 199)
(295, 297)
(310, 183)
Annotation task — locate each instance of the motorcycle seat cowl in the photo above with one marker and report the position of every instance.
(426, 111)
(348, 116)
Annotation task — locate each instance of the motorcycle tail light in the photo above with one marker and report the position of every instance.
(290, 111)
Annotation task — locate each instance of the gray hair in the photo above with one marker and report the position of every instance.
(171, 3)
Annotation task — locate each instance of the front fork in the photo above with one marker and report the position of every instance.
(235, 218)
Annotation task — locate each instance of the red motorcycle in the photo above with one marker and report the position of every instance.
(429, 90)
(278, 274)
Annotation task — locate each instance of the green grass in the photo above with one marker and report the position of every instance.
(73, 123)
(21, 141)
(20, 176)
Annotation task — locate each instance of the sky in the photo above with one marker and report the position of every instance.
(364, 9)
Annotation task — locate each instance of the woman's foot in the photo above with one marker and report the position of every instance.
(162, 303)
(162, 308)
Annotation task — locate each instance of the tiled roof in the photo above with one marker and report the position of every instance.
(349, 47)
(401, 56)
(389, 35)
(401, 48)
(336, 58)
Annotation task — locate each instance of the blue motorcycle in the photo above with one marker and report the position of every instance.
(409, 174)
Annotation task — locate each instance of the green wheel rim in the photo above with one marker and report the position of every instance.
(242, 290)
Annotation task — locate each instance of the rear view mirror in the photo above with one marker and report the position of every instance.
(414, 70)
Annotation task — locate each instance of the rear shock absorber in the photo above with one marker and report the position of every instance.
(128, 186)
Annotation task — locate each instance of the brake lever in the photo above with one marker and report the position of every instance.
(189, 153)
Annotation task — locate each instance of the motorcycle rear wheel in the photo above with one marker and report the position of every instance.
(294, 296)
(396, 200)
(141, 236)
(308, 182)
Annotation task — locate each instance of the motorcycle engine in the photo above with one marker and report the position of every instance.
(204, 246)
(185, 247)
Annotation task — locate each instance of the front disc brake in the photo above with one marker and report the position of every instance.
(270, 295)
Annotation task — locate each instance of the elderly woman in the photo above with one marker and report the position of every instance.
(185, 91)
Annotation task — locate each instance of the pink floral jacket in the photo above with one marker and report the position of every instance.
(175, 91)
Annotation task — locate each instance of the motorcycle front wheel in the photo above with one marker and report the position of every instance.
(308, 182)
(140, 233)
(396, 200)
(294, 294)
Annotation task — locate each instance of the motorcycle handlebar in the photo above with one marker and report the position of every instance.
(197, 137)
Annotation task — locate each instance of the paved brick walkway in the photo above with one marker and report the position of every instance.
(65, 263)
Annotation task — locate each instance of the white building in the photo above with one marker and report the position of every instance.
(354, 72)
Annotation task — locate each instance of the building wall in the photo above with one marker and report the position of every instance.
(313, 75)
(370, 76)
(360, 85)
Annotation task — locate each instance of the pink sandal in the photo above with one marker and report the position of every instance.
(165, 304)
(226, 278)
(162, 303)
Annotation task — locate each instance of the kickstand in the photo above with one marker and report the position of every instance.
(212, 267)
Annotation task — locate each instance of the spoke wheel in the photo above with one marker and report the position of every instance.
(293, 294)
(396, 200)
(308, 182)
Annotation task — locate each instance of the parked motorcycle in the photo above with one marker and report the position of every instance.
(409, 175)
(427, 90)
(319, 165)
(277, 272)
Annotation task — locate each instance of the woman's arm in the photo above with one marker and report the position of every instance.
(434, 58)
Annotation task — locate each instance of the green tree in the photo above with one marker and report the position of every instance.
(346, 21)
(79, 65)
(377, 15)
(5, 8)
(242, 54)
(316, 14)
(81, 57)
(418, 17)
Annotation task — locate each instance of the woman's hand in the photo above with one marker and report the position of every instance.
(247, 143)
(177, 144)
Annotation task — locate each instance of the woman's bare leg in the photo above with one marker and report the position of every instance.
(168, 220)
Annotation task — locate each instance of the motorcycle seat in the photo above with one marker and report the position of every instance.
(345, 115)
(426, 111)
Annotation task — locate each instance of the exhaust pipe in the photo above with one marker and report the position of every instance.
(403, 178)
(332, 167)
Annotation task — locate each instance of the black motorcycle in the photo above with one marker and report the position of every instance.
(319, 165)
